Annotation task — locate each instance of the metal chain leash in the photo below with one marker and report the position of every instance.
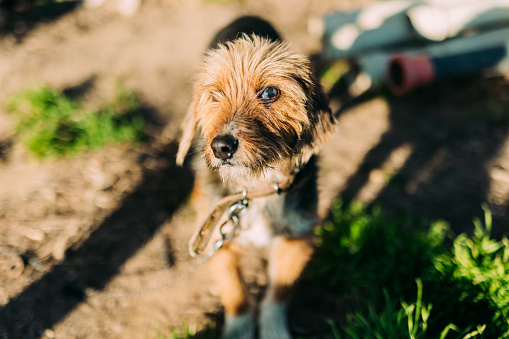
(236, 211)
(237, 204)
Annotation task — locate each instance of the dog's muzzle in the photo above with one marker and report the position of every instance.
(224, 146)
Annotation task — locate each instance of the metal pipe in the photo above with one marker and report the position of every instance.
(379, 25)
(407, 72)
(375, 68)
(441, 21)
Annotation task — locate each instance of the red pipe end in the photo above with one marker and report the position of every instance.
(405, 73)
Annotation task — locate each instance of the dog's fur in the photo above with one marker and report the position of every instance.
(272, 141)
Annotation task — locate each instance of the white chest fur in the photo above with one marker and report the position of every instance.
(270, 216)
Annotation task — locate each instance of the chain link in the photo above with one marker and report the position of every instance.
(236, 211)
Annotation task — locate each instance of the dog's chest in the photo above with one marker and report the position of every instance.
(268, 217)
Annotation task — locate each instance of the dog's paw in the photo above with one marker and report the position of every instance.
(239, 327)
(273, 322)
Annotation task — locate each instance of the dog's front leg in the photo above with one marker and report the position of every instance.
(288, 257)
(225, 271)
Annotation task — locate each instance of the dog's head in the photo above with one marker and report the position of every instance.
(259, 108)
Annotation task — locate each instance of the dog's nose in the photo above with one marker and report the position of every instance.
(224, 146)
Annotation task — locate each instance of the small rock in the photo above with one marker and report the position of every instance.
(36, 264)
(118, 327)
(499, 174)
(35, 235)
(128, 7)
(11, 264)
(49, 333)
(98, 178)
(4, 297)
(104, 200)
(59, 248)
(94, 3)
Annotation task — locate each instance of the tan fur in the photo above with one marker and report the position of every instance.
(288, 259)
(226, 97)
(224, 270)
(196, 193)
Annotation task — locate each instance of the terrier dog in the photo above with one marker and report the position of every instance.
(263, 117)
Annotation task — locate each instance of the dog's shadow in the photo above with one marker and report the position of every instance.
(455, 130)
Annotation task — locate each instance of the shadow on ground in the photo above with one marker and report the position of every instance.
(455, 131)
(19, 17)
(91, 266)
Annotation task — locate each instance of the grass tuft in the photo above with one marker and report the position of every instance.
(462, 289)
(410, 280)
(51, 125)
(191, 332)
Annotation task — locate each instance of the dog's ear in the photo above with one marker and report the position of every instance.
(322, 123)
(188, 131)
(325, 123)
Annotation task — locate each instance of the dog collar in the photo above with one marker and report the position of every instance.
(237, 204)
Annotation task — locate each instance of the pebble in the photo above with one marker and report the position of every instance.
(49, 333)
(500, 175)
(35, 235)
(11, 264)
(105, 200)
(4, 297)
(59, 248)
(98, 178)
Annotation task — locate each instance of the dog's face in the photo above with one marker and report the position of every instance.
(258, 107)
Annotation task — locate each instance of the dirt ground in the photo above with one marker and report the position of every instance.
(95, 246)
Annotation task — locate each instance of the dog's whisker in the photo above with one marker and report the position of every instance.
(193, 153)
(198, 146)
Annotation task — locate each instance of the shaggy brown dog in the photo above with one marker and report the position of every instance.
(263, 116)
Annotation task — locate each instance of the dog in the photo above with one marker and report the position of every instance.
(263, 117)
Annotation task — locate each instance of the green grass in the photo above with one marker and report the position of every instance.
(330, 75)
(403, 321)
(191, 332)
(52, 125)
(462, 281)
(393, 321)
(408, 279)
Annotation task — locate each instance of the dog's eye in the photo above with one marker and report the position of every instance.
(213, 97)
(269, 94)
